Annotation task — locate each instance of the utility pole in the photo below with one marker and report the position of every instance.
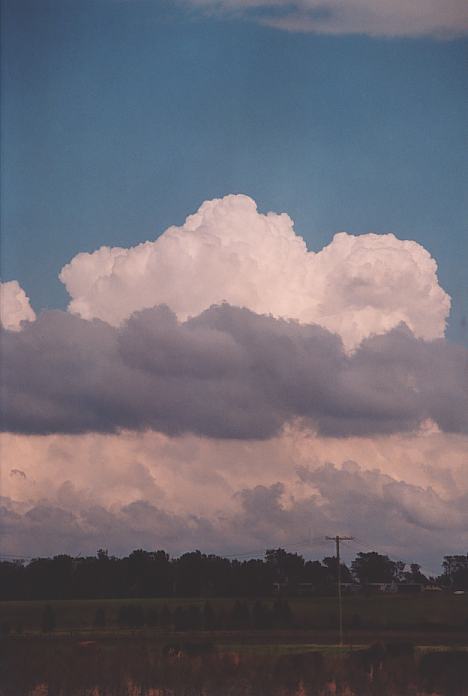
(337, 540)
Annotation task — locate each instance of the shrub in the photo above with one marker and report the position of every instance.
(100, 618)
(48, 619)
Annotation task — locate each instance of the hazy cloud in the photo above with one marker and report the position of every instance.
(372, 17)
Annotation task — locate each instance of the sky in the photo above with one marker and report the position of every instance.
(299, 165)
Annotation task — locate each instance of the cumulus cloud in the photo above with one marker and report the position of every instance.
(216, 415)
(14, 306)
(149, 490)
(375, 18)
(228, 251)
(227, 373)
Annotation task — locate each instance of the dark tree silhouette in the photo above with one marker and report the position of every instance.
(155, 574)
(373, 567)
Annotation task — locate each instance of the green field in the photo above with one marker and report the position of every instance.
(423, 614)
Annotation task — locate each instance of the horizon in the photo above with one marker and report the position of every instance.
(234, 297)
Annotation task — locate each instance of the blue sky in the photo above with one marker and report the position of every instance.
(120, 118)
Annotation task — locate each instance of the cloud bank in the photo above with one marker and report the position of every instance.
(227, 373)
(229, 252)
(373, 17)
(14, 306)
(223, 383)
(402, 495)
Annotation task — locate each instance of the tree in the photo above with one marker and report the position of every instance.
(373, 567)
(319, 576)
(415, 575)
(456, 572)
(330, 562)
(288, 567)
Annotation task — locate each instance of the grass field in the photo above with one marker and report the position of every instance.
(422, 614)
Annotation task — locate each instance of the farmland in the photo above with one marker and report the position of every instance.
(419, 643)
(425, 614)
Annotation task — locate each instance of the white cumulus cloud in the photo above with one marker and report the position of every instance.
(228, 251)
(14, 306)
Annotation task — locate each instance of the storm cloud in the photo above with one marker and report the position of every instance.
(227, 373)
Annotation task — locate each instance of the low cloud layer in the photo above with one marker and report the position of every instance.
(375, 18)
(228, 251)
(227, 373)
(402, 495)
(14, 306)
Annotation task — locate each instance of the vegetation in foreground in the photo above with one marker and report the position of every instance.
(33, 667)
(79, 636)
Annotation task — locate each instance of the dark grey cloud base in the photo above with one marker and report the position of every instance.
(227, 373)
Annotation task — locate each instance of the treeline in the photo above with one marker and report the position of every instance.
(156, 574)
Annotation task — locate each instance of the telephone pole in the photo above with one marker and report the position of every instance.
(337, 540)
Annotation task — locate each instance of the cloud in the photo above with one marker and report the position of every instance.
(373, 17)
(215, 495)
(14, 306)
(228, 251)
(221, 382)
(227, 373)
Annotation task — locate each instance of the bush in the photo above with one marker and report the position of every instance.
(240, 616)
(131, 616)
(5, 629)
(282, 614)
(100, 618)
(187, 618)
(48, 619)
(153, 618)
(165, 618)
(209, 619)
(261, 615)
